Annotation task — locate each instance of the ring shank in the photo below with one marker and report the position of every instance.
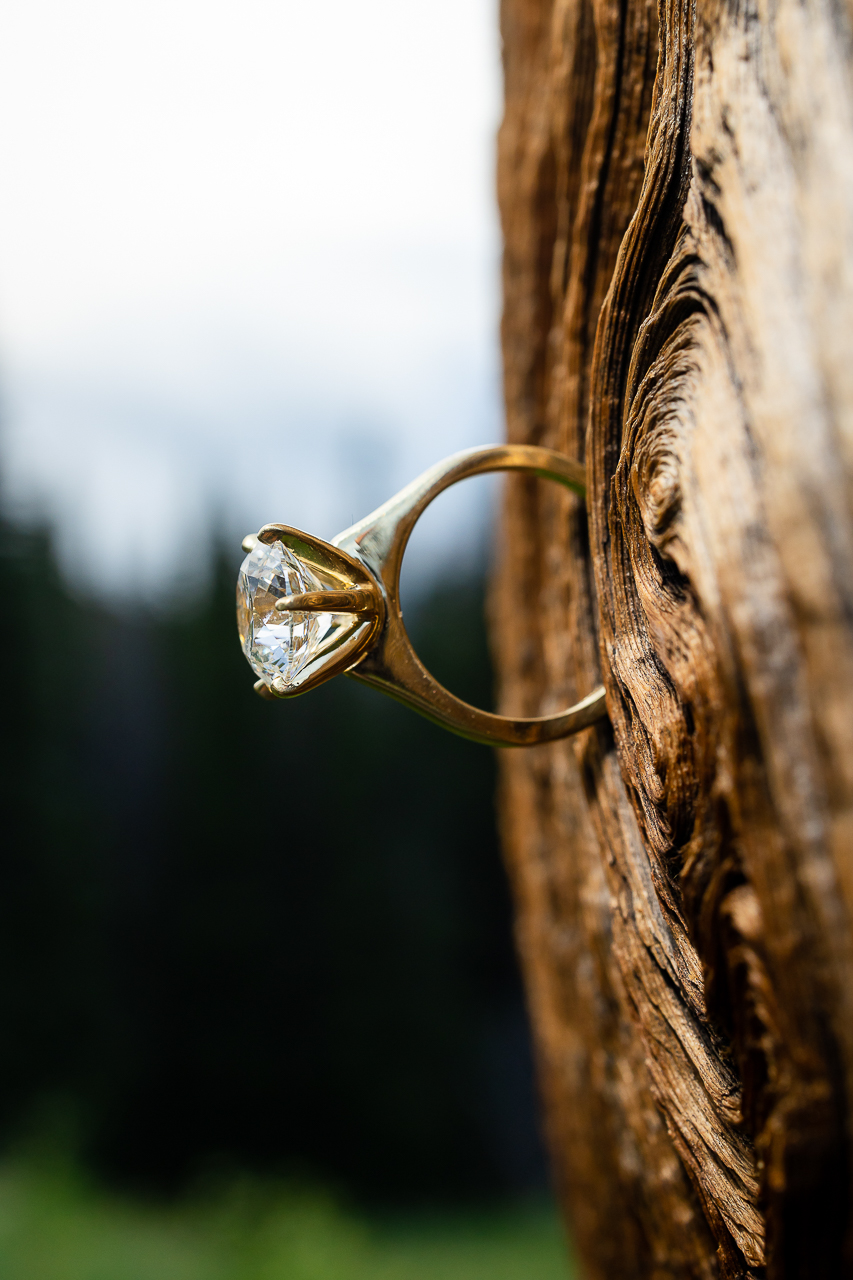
(391, 664)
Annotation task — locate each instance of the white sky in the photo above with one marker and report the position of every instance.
(248, 266)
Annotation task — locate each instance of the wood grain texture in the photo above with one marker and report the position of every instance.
(676, 189)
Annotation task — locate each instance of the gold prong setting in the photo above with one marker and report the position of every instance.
(305, 610)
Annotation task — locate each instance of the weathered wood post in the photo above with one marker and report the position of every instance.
(676, 188)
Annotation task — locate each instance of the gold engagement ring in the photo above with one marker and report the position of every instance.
(308, 609)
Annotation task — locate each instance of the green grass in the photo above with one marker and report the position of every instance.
(54, 1225)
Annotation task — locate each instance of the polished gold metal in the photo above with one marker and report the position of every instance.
(363, 567)
(356, 600)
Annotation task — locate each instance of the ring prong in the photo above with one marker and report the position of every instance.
(250, 542)
(353, 600)
(263, 691)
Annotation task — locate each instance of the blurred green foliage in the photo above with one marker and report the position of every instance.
(243, 935)
(54, 1225)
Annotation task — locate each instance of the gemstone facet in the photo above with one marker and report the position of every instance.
(278, 645)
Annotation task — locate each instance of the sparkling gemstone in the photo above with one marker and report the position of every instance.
(278, 645)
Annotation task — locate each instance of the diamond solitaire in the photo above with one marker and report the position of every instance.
(305, 610)
(278, 645)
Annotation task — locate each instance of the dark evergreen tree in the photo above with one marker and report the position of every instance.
(275, 935)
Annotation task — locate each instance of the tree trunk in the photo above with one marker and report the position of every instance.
(676, 188)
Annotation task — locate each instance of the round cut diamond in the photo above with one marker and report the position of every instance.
(277, 645)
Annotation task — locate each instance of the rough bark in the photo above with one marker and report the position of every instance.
(676, 189)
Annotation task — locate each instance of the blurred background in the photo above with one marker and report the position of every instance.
(259, 1008)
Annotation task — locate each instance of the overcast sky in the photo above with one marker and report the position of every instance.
(248, 266)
